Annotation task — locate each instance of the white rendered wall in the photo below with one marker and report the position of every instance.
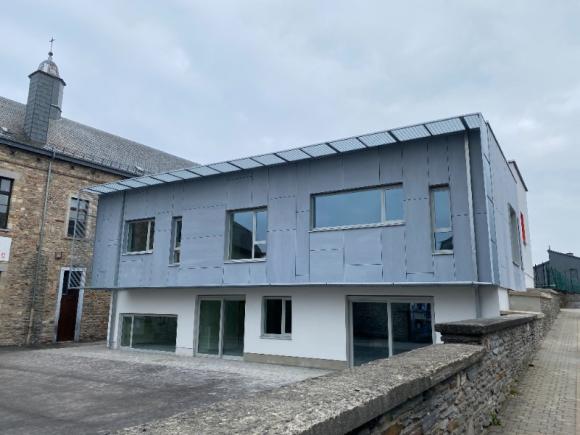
(319, 314)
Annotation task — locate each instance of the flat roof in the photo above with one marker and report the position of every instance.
(408, 133)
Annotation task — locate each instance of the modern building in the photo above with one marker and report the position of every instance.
(327, 255)
(45, 160)
(560, 272)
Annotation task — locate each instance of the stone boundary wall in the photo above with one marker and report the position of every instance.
(543, 301)
(570, 300)
(451, 388)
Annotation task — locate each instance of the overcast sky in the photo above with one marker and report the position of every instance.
(214, 80)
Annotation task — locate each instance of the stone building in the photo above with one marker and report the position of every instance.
(45, 160)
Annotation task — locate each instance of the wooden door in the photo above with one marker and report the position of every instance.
(68, 310)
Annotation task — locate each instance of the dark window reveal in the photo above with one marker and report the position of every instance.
(140, 236)
(277, 316)
(5, 194)
(149, 332)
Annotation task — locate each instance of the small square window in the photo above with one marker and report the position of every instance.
(140, 236)
(248, 234)
(277, 316)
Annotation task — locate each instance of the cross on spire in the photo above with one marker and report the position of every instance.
(51, 42)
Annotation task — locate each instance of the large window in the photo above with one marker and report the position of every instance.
(442, 236)
(175, 255)
(277, 317)
(140, 236)
(248, 233)
(148, 332)
(5, 194)
(382, 205)
(515, 237)
(77, 218)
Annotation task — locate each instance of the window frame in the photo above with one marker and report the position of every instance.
(132, 316)
(434, 228)
(283, 335)
(151, 222)
(175, 249)
(230, 223)
(9, 193)
(383, 222)
(77, 200)
(515, 236)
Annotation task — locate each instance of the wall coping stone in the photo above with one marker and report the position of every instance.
(532, 292)
(529, 313)
(338, 402)
(479, 327)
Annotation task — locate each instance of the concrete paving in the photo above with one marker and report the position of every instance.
(91, 389)
(546, 399)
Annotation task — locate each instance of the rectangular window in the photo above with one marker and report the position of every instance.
(442, 238)
(77, 218)
(359, 207)
(149, 332)
(523, 225)
(248, 234)
(277, 320)
(5, 194)
(515, 237)
(140, 235)
(175, 256)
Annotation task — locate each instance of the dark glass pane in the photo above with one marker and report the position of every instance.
(273, 324)
(154, 333)
(394, 204)
(442, 206)
(233, 343)
(260, 250)
(4, 199)
(5, 185)
(178, 233)
(209, 327)
(3, 219)
(444, 241)
(370, 330)
(288, 325)
(126, 331)
(241, 235)
(351, 208)
(261, 225)
(137, 237)
(151, 235)
(411, 326)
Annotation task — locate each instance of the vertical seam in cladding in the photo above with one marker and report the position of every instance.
(433, 269)
(405, 267)
(453, 229)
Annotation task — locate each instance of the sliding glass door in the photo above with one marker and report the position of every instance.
(381, 327)
(220, 330)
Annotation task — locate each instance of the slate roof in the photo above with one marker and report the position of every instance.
(89, 144)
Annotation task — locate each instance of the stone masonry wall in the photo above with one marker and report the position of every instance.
(29, 172)
(452, 388)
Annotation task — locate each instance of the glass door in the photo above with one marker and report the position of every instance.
(221, 326)
(381, 326)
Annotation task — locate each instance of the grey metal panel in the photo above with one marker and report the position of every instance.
(410, 133)
(302, 243)
(362, 169)
(282, 214)
(438, 162)
(421, 277)
(303, 186)
(204, 170)
(363, 272)
(376, 139)
(236, 273)
(260, 187)
(281, 265)
(318, 150)
(239, 191)
(203, 251)
(293, 155)
(418, 236)
(363, 246)
(415, 170)
(224, 167)
(444, 267)
(246, 163)
(393, 253)
(326, 175)
(462, 248)
(458, 176)
(391, 164)
(325, 240)
(283, 181)
(200, 276)
(345, 145)
(268, 159)
(327, 266)
(204, 222)
(258, 273)
(445, 126)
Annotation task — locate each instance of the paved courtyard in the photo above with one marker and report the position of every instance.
(546, 400)
(88, 388)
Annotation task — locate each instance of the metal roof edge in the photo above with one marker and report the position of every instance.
(470, 121)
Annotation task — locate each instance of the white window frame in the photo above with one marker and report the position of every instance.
(383, 222)
(174, 248)
(150, 221)
(515, 236)
(255, 242)
(283, 335)
(77, 200)
(434, 228)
